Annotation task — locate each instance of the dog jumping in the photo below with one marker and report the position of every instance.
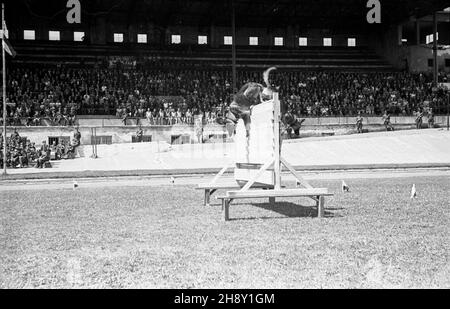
(249, 95)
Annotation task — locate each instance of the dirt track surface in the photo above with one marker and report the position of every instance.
(194, 180)
(402, 149)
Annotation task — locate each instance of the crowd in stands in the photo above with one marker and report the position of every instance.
(21, 153)
(175, 95)
(35, 95)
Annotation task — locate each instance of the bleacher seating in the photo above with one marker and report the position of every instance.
(176, 82)
(307, 58)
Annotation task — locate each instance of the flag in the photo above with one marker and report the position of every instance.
(413, 191)
(8, 48)
(1, 33)
(6, 45)
(345, 187)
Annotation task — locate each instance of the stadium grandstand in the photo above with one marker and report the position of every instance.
(167, 63)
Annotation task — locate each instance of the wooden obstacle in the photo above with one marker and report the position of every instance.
(211, 188)
(316, 194)
(214, 185)
(259, 162)
(254, 151)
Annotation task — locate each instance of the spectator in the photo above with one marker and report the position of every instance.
(124, 117)
(76, 138)
(36, 119)
(42, 158)
(22, 153)
(148, 115)
(179, 89)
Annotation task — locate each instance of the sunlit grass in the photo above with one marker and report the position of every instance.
(373, 236)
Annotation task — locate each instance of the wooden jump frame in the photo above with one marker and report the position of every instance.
(274, 165)
(212, 187)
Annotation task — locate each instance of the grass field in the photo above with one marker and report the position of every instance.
(373, 236)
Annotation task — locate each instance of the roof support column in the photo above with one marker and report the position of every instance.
(233, 46)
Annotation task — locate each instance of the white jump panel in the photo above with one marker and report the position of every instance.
(259, 147)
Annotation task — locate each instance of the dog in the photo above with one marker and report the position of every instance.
(292, 123)
(249, 95)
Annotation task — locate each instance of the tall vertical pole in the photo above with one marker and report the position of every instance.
(277, 144)
(448, 109)
(435, 64)
(417, 31)
(4, 91)
(233, 45)
(92, 142)
(95, 133)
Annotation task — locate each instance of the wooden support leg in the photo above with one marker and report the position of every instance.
(207, 197)
(255, 177)
(226, 209)
(321, 207)
(222, 171)
(272, 200)
(208, 193)
(299, 178)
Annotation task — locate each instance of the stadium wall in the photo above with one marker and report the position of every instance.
(388, 46)
(114, 132)
(412, 57)
(290, 34)
(419, 55)
(100, 30)
(121, 134)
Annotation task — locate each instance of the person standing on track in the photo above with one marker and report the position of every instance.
(387, 121)
(419, 119)
(430, 119)
(359, 123)
(292, 124)
(139, 135)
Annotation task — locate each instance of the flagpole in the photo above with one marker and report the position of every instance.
(4, 90)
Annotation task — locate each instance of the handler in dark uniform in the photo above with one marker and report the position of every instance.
(359, 123)
(387, 121)
(430, 119)
(139, 135)
(419, 119)
(292, 123)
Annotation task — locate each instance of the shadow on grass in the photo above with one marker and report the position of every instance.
(289, 210)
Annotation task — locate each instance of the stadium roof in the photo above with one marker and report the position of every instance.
(249, 13)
